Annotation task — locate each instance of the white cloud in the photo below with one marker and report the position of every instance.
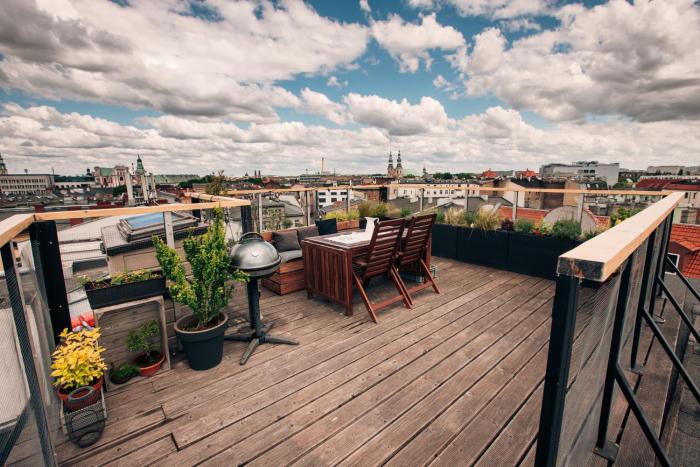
(410, 43)
(333, 82)
(424, 4)
(150, 55)
(440, 82)
(319, 104)
(364, 6)
(520, 24)
(398, 118)
(501, 8)
(498, 138)
(640, 61)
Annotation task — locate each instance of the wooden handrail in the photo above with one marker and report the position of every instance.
(15, 225)
(598, 258)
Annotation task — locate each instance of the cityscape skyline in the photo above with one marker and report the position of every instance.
(456, 85)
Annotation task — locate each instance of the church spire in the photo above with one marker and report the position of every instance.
(3, 167)
(390, 166)
(139, 166)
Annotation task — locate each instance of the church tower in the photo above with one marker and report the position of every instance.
(390, 167)
(3, 167)
(139, 166)
(399, 167)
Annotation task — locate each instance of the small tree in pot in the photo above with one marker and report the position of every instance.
(207, 292)
(140, 340)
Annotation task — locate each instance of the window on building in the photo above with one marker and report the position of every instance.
(675, 259)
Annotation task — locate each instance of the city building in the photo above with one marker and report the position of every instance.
(328, 196)
(583, 170)
(69, 182)
(26, 183)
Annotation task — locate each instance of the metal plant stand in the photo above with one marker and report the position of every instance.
(259, 259)
(259, 334)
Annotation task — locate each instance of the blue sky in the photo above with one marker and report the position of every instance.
(458, 85)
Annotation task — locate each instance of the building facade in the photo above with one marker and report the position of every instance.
(583, 170)
(23, 184)
(394, 172)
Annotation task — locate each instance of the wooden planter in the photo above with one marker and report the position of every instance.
(122, 293)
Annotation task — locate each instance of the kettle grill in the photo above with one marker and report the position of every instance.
(253, 255)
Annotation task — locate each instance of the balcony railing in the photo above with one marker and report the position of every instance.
(605, 289)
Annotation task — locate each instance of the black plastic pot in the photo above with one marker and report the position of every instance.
(122, 293)
(487, 248)
(444, 238)
(204, 349)
(536, 255)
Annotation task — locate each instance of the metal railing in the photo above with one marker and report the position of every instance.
(606, 289)
(34, 309)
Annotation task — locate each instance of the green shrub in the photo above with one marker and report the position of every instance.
(342, 216)
(566, 228)
(454, 217)
(469, 217)
(405, 212)
(487, 220)
(373, 209)
(440, 218)
(525, 226)
(543, 228)
(139, 340)
(209, 287)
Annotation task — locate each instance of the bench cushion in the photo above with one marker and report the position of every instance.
(307, 232)
(290, 255)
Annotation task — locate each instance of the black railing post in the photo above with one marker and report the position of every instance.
(14, 290)
(558, 362)
(603, 447)
(647, 276)
(45, 248)
(663, 250)
(196, 212)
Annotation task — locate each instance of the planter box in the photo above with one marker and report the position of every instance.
(116, 294)
(444, 240)
(487, 248)
(536, 255)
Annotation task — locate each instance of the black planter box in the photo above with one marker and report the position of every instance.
(115, 294)
(444, 238)
(536, 255)
(488, 248)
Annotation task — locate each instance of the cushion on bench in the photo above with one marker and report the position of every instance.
(290, 255)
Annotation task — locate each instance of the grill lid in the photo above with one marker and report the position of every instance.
(252, 254)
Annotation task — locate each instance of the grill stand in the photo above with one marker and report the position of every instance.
(259, 334)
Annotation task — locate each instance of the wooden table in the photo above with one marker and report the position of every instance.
(328, 267)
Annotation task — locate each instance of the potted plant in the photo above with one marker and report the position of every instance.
(123, 373)
(206, 292)
(123, 287)
(78, 368)
(535, 249)
(140, 340)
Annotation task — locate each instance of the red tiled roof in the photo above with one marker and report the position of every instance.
(489, 174)
(688, 236)
(656, 183)
(523, 213)
(528, 173)
(683, 186)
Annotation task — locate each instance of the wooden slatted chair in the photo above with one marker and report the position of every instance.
(380, 260)
(412, 253)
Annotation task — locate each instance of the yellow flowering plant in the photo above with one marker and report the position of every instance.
(77, 361)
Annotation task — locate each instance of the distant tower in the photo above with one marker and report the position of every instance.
(3, 167)
(390, 167)
(139, 166)
(399, 167)
(425, 173)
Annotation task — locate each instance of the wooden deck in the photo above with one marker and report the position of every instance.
(455, 380)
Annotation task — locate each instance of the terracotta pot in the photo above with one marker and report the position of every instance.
(77, 405)
(151, 369)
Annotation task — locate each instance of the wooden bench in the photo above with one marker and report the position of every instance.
(290, 276)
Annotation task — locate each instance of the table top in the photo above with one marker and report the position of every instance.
(325, 240)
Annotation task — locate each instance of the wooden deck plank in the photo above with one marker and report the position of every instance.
(351, 388)
(417, 342)
(414, 385)
(462, 415)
